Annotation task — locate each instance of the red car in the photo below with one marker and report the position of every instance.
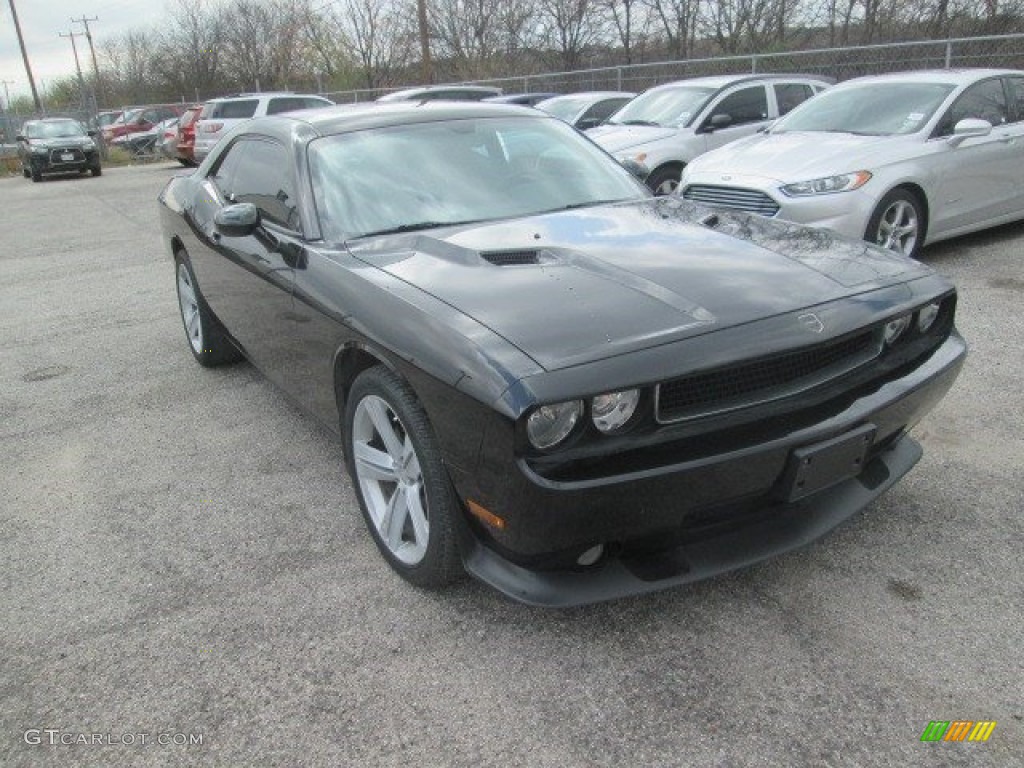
(187, 135)
(141, 119)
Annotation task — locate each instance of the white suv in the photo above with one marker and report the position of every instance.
(665, 127)
(221, 115)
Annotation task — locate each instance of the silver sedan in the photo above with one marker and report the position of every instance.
(901, 160)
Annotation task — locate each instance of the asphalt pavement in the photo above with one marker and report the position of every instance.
(187, 580)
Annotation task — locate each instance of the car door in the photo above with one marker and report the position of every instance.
(979, 179)
(248, 280)
(747, 108)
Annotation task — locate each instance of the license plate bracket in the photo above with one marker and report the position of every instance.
(67, 157)
(813, 468)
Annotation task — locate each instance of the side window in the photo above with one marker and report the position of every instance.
(237, 109)
(289, 103)
(601, 111)
(748, 105)
(790, 95)
(985, 101)
(1015, 87)
(264, 179)
(224, 174)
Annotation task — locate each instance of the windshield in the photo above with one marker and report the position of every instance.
(671, 107)
(58, 129)
(868, 109)
(432, 174)
(564, 107)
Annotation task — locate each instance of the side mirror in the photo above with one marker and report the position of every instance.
(93, 133)
(238, 220)
(19, 137)
(720, 120)
(639, 170)
(969, 128)
(587, 123)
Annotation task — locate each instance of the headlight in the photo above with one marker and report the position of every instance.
(830, 184)
(39, 150)
(639, 157)
(610, 411)
(926, 317)
(895, 328)
(551, 424)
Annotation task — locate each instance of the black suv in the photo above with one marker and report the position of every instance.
(57, 145)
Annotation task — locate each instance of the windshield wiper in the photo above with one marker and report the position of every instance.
(589, 203)
(415, 227)
(651, 123)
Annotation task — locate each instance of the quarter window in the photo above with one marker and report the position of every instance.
(1015, 88)
(790, 95)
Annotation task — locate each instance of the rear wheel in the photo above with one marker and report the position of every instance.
(206, 336)
(898, 223)
(36, 175)
(404, 492)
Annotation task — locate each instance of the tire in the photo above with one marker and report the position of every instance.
(36, 175)
(898, 223)
(96, 170)
(26, 172)
(665, 181)
(206, 337)
(395, 464)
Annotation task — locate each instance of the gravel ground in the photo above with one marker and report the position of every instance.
(184, 561)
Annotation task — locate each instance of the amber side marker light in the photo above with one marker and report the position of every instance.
(485, 515)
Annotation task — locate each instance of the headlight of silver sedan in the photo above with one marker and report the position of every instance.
(845, 182)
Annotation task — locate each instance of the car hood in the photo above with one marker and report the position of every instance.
(591, 283)
(614, 138)
(800, 155)
(67, 141)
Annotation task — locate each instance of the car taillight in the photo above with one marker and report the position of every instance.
(212, 127)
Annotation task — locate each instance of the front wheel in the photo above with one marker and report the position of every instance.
(96, 170)
(665, 181)
(898, 223)
(404, 492)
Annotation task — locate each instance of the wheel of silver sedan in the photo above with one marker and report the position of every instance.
(400, 477)
(389, 475)
(189, 304)
(897, 223)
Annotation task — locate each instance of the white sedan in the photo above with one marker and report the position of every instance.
(900, 160)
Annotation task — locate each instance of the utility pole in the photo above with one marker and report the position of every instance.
(7, 94)
(92, 49)
(78, 66)
(24, 57)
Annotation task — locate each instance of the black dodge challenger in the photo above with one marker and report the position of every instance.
(541, 374)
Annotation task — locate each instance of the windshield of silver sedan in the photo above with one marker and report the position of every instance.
(424, 175)
(673, 107)
(868, 109)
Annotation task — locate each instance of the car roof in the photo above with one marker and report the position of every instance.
(594, 95)
(261, 95)
(327, 121)
(721, 81)
(952, 76)
(412, 93)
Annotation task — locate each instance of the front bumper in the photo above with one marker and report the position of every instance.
(680, 522)
(54, 162)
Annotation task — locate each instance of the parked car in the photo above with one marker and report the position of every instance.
(219, 116)
(666, 127)
(588, 109)
(167, 139)
(139, 120)
(539, 371)
(522, 99)
(184, 150)
(57, 145)
(143, 143)
(901, 160)
(103, 119)
(443, 93)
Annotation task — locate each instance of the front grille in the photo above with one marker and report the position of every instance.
(56, 155)
(770, 378)
(747, 200)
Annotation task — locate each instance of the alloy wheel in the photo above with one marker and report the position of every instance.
(189, 304)
(898, 228)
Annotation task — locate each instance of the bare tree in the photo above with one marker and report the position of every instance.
(569, 28)
(678, 21)
(378, 38)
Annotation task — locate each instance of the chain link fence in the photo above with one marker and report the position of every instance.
(999, 51)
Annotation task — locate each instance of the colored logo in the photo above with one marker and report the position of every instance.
(958, 730)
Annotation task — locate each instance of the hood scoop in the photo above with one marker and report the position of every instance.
(511, 258)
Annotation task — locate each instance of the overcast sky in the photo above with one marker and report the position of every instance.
(51, 56)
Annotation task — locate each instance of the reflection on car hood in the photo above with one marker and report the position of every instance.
(613, 279)
(797, 156)
(613, 138)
